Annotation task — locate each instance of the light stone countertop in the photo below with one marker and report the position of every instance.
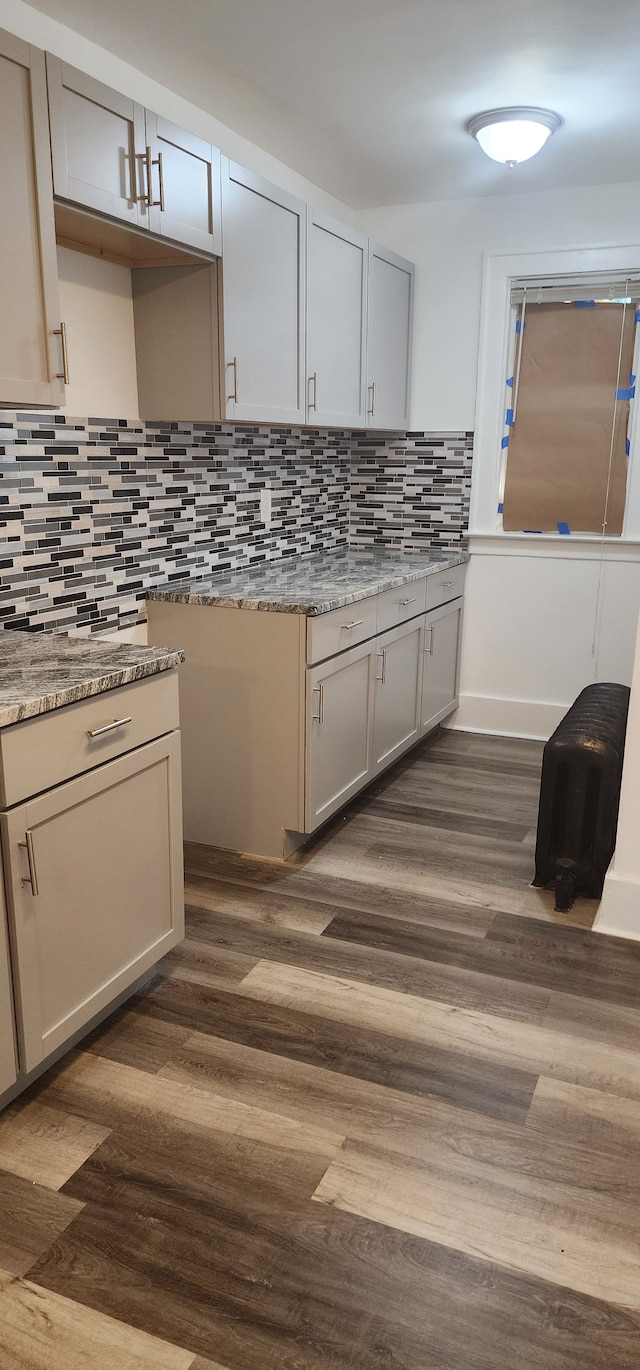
(311, 584)
(43, 671)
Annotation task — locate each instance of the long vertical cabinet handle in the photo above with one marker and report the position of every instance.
(372, 391)
(31, 878)
(61, 333)
(319, 690)
(234, 393)
(383, 674)
(429, 645)
(313, 380)
(151, 162)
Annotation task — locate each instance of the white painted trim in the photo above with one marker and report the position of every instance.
(552, 546)
(503, 717)
(498, 271)
(617, 915)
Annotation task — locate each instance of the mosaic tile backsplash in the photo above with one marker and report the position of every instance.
(94, 511)
(410, 491)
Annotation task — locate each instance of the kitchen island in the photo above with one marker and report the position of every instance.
(305, 678)
(90, 818)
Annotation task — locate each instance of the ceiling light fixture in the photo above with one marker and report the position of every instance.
(513, 135)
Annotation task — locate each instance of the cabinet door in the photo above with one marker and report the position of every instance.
(264, 288)
(338, 732)
(97, 144)
(336, 290)
(440, 666)
(8, 1071)
(396, 717)
(389, 330)
(184, 189)
(30, 355)
(94, 881)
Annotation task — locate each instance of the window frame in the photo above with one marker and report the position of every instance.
(497, 329)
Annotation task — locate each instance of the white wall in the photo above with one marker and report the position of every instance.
(97, 307)
(530, 616)
(37, 28)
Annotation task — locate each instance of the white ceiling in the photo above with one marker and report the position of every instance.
(368, 98)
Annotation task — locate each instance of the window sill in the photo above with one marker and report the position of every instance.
(584, 546)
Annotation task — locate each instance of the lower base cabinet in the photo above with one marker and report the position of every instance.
(440, 664)
(92, 865)
(339, 697)
(396, 712)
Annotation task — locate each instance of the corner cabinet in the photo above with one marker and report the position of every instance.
(31, 341)
(264, 284)
(93, 866)
(287, 717)
(389, 338)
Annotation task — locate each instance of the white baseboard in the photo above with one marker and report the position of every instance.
(530, 718)
(619, 911)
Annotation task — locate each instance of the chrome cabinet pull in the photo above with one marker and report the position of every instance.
(446, 584)
(151, 162)
(429, 645)
(31, 878)
(372, 392)
(234, 393)
(319, 690)
(61, 333)
(356, 624)
(313, 380)
(383, 675)
(109, 727)
(408, 601)
(161, 182)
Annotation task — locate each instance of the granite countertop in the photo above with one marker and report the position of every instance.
(312, 584)
(44, 671)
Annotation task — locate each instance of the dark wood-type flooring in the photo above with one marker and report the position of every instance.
(380, 1111)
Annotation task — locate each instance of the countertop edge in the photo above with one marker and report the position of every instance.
(311, 609)
(86, 689)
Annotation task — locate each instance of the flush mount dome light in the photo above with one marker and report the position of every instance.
(513, 135)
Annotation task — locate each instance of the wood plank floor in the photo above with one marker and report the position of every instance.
(381, 1111)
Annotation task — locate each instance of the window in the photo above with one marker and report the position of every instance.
(569, 394)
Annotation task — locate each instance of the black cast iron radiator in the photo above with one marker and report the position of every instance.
(580, 794)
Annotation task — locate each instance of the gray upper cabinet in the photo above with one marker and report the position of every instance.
(264, 299)
(31, 363)
(389, 332)
(97, 144)
(112, 156)
(336, 319)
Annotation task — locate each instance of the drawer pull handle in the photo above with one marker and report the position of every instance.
(31, 878)
(404, 602)
(446, 584)
(109, 727)
(319, 690)
(356, 624)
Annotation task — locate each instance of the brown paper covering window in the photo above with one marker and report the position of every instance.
(560, 444)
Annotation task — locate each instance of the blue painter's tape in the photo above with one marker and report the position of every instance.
(505, 442)
(510, 382)
(626, 394)
(501, 508)
(509, 417)
(519, 324)
(627, 447)
(632, 379)
(533, 530)
(636, 318)
(584, 304)
(564, 529)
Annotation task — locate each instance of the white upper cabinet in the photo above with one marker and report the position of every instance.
(389, 331)
(97, 144)
(264, 295)
(183, 185)
(114, 157)
(336, 320)
(31, 356)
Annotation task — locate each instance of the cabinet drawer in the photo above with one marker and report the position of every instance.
(445, 585)
(341, 628)
(403, 602)
(42, 752)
